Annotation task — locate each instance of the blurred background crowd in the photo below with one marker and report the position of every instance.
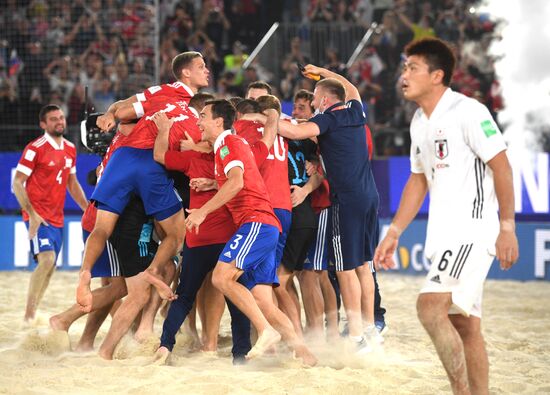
(50, 50)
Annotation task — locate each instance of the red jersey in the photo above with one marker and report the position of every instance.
(369, 140)
(48, 166)
(320, 197)
(88, 218)
(218, 227)
(176, 90)
(145, 132)
(252, 203)
(275, 169)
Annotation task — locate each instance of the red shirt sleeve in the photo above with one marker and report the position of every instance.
(28, 160)
(231, 154)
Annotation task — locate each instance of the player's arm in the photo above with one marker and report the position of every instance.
(107, 121)
(270, 127)
(233, 185)
(412, 197)
(76, 192)
(21, 195)
(299, 194)
(507, 244)
(161, 142)
(351, 91)
(287, 129)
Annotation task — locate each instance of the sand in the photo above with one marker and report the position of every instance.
(35, 360)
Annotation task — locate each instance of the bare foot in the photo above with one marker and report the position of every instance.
(84, 296)
(302, 352)
(141, 335)
(58, 324)
(269, 337)
(163, 290)
(84, 347)
(104, 354)
(161, 356)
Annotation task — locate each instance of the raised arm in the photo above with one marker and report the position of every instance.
(507, 244)
(351, 91)
(270, 127)
(161, 142)
(411, 200)
(107, 121)
(287, 129)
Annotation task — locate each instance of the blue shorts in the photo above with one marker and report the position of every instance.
(107, 265)
(253, 248)
(317, 257)
(133, 170)
(48, 238)
(353, 225)
(285, 218)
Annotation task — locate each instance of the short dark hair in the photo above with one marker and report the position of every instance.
(303, 94)
(437, 54)
(269, 101)
(260, 85)
(235, 100)
(248, 106)
(222, 108)
(333, 87)
(47, 109)
(198, 100)
(182, 61)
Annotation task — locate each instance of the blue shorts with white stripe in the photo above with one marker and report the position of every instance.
(253, 248)
(107, 265)
(48, 238)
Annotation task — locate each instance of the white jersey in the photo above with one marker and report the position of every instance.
(451, 149)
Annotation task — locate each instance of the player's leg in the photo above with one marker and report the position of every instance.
(263, 294)
(313, 301)
(286, 304)
(39, 281)
(214, 306)
(432, 309)
(174, 227)
(469, 329)
(147, 322)
(95, 244)
(138, 294)
(331, 305)
(225, 278)
(367, 293)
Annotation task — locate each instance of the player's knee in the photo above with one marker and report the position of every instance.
(119, 289)
(426, 312)
(219, 279)
(47, 259)
(467, 328)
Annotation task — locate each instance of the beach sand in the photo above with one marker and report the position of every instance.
(35, 360)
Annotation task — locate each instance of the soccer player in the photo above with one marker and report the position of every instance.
(191, 74)
(340, 130)
(256, 89)
(459, 155)
(47, 169)
(246, 270)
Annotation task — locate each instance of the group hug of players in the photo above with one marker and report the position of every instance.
(258, 213)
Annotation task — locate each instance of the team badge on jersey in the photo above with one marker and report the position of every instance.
(441, 149)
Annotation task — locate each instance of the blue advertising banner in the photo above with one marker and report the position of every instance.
(531, 183)
(534, 244)
(8, 163)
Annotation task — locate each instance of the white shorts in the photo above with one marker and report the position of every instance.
(461, 269)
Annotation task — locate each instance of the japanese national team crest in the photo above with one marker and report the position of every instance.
(441, 149)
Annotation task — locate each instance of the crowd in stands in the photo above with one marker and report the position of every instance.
(50, 50)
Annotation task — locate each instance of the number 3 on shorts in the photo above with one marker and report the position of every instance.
(235, 243)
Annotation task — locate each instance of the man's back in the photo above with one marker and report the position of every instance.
(343, 145)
